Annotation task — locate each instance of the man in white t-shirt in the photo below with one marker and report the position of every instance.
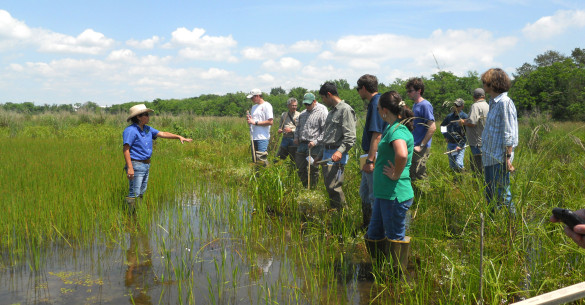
(260, 118)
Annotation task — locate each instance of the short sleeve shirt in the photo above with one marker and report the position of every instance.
(374, 123)
(423, 116)
(384, 187)
(261, 112)
(140, 141)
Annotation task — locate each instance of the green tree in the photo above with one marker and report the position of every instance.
(277, 91)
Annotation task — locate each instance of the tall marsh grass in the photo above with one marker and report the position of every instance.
(241, 234)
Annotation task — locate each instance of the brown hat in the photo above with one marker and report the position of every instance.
(136, 110)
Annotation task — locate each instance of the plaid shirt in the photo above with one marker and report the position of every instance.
(312, 124)
(501, 130)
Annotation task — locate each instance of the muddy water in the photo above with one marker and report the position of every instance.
(186, 256)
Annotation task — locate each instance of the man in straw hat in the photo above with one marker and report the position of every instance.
(137, 150)
(260, 120)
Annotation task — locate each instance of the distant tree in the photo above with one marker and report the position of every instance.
(578, 55)
(298, 93)
(524, 70)
(277, 91)
(341, 84)
(548, 58)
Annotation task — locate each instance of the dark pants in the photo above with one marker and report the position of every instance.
(333, 176)
(302, 164)
(418, 168)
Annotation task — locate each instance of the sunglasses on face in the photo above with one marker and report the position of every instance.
(144, 114)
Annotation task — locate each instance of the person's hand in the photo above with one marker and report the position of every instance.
(368, 167)
(311, 144)
(417, 149)
(250, 120)
(336, 156)
(130, 174)
(578, 232)
(509, 166)
(279, 130)
(461, 122)
(287, 129)
(388, 170)
(184, 140)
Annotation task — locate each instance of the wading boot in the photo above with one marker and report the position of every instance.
(399, 250)
(378, 249)
(131, 204)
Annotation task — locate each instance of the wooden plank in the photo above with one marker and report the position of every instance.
(560, 296)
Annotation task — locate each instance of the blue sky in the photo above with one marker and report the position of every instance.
(112, 52)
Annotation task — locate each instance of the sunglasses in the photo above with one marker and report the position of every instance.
(144, 114)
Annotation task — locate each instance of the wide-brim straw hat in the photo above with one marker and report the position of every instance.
(138, 109)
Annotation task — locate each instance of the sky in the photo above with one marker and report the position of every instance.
(113, 52)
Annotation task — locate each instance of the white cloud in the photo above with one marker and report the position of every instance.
(144, 44)
(202, 47)
(306, 46)
(550, 26)
(88, 42)
(12, 28)
(285, 63)
(457, 51)
(121, 55)
(267, 51)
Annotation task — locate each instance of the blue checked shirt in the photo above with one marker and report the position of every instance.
(501, 130)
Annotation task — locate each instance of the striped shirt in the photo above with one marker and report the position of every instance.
(501, 130)
(312, 124)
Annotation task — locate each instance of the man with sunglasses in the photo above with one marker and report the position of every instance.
(424, 127)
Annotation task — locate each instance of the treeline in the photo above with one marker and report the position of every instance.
(554, 84)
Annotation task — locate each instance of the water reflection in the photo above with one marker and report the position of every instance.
(139, 277)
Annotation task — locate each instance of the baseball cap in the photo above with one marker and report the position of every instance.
(308, 98)
(478, 92)
(254, 92)
(459, 102)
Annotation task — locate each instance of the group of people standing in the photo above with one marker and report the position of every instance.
(396, 142)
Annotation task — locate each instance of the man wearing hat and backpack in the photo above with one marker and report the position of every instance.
(137, 150)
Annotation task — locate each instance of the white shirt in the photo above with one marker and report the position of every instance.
(261, 112)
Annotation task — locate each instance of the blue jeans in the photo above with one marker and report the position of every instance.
(456, 157)
(286, 142)
(497, 180)
(261, 145)
(138, 184)
(388, 219)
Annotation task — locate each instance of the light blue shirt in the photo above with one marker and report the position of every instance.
(140, 141)
(501, 130)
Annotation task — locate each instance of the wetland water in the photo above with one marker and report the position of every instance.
(192, 252)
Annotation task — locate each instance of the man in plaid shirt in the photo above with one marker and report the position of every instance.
(499, 138)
